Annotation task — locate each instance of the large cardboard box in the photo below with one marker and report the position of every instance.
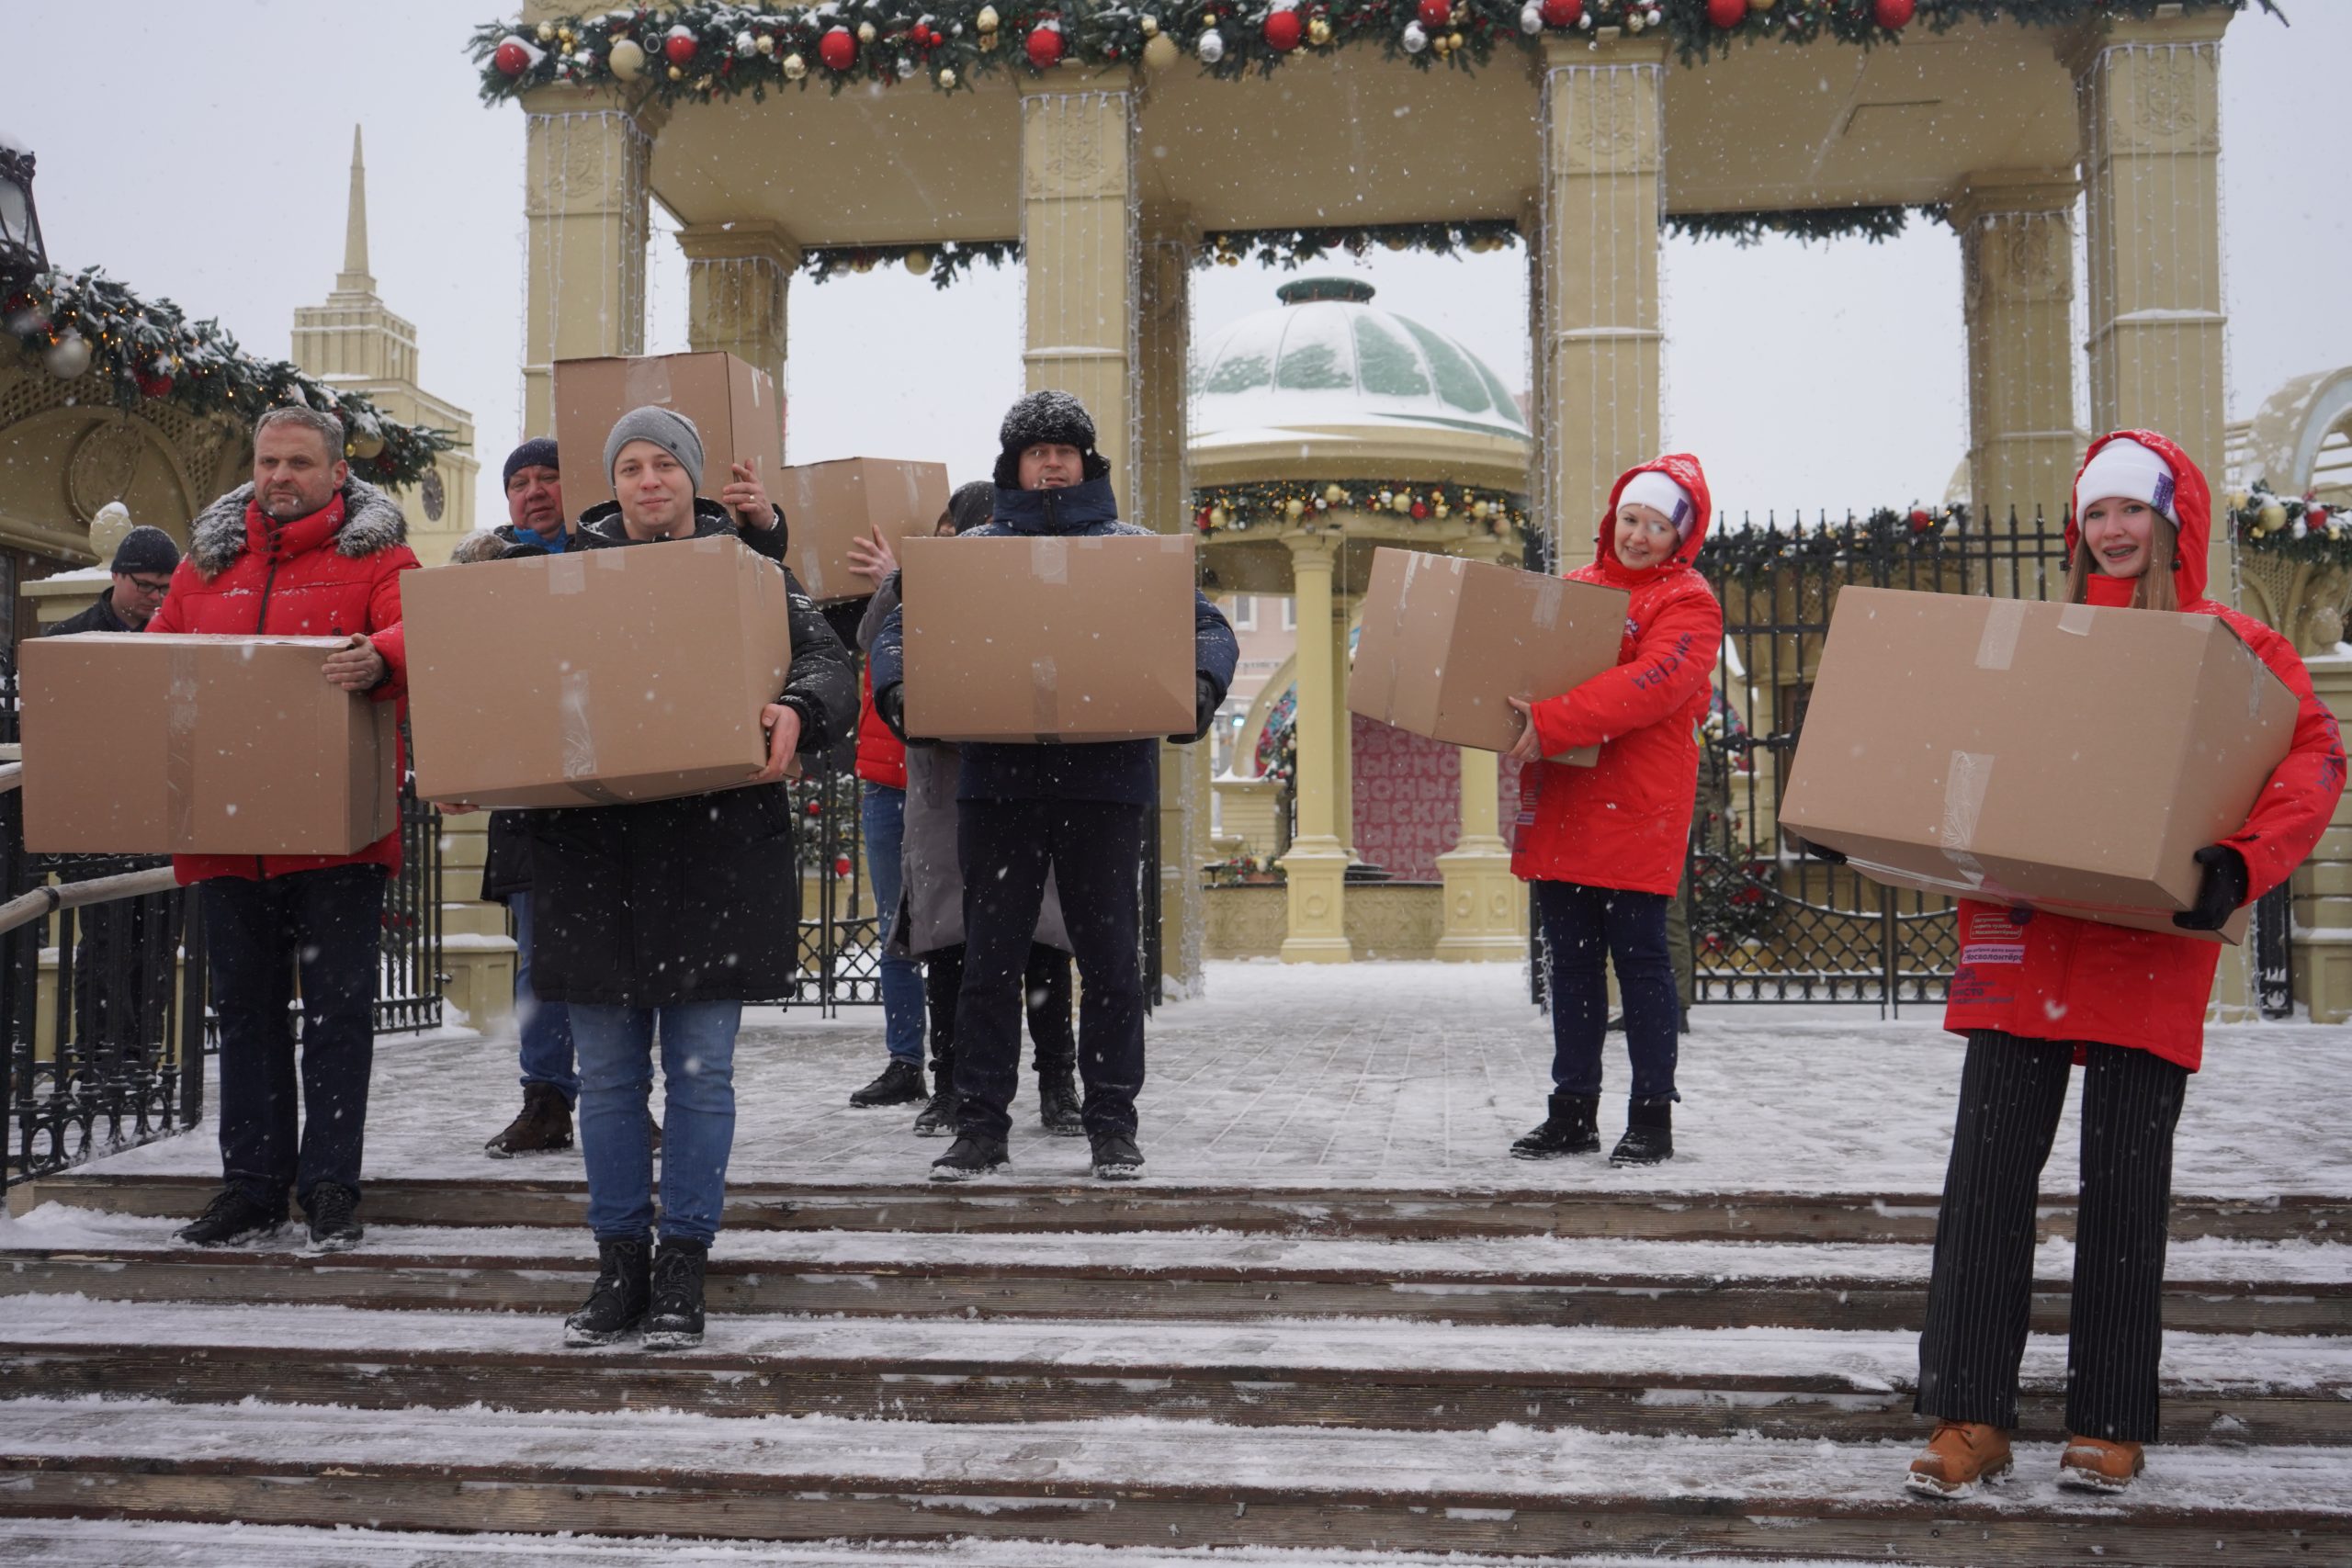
(1040, 640)
(1447, 643)
(733, 404)
(595, 678)
(140, 744)
(830, 505)
(2053, 755)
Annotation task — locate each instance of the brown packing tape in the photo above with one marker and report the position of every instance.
(179, 744)
(1046, 699)
(646, 380)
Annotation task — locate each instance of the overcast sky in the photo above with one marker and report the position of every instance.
(1828, 376)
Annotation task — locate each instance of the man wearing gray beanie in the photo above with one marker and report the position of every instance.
(654, 459)
(144, 564)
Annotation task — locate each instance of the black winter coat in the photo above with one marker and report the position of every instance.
(695, 899)
(98, 617)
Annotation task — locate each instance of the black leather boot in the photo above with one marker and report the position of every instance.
(1569, 1129)
(618, 1301)
(1650, 1132)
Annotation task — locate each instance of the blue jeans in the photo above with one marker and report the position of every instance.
(615, 1045)
(547, 1026)
(883, 815)
(1579, 924)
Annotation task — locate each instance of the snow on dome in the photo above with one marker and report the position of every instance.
(1327, 357)
(10, 144)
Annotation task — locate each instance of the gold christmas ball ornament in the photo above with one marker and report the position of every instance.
(764, 44)
(626, 59)
(1219, 517)
(1760, 6)
(988, 20)
(1453, 41)
(1402, 506)
(1333, 494)
(795, 68)
(1159, 51)
(919, 261)
(865, 33)
(677, 74)
(2237, 500)
(366, 444)
(547, 32)
(1295, 510)
(1479, 510)
(946, 79)
(1443, 511)
(2274, 517)
(1149, 24)
(1319, 32)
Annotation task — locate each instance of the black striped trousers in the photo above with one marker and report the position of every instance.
(1980, 1296)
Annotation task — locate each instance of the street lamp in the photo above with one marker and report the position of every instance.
(21, 251)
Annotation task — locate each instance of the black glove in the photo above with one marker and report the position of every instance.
(890, 704)
(1817, 851)
(2225, 890)
(1205, 697)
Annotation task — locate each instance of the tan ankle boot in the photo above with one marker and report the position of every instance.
(2095, 1464)
(1961, 1454)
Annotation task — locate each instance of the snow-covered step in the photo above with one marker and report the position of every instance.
(2219, 1285)
(549, 1192)
(1779, 1382)
(1139, 1482)
(143, 1543)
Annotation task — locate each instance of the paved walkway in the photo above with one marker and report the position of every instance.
(1407, 1075)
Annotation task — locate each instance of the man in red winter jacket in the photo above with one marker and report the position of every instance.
(305, 550)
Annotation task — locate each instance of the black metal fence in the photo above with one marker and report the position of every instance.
(841, 946)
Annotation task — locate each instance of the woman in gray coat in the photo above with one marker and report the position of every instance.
(929, 922)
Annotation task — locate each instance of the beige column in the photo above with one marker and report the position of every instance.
(1597, 351)
(1080, 236)
(1155, 499)
(2017, 246)
(2322, 885)
(1316, 863)
(737, 279)
(2149, 98)
(1342, 733)
(1485, 906)
(585, 207)
(476, 951)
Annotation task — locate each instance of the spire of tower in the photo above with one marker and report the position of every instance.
(353, 279)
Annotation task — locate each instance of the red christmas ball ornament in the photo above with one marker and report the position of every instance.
(678, 49)
(1284, 29)
(153, 386)
(1921, 519)
(512, 58)
(1563, 13)
(1045, 46)
(1892, 13)
(1727, 14)
(2315, 518)
(837, 49)
(1420, 511)
(816, 808)
(841, 865)
(1435, 14)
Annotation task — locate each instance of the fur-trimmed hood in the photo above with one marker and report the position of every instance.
(372, 521)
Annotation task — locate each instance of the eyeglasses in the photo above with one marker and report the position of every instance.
(152, 588)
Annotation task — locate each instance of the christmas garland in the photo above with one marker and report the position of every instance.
(86, 323)
(711, 50)
(2295, 527)
(1275, 504)
(1748, 555)
(1297, 247)
(942, 262)
(1746, 229)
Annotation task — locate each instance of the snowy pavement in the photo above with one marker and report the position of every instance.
(1406, 1076)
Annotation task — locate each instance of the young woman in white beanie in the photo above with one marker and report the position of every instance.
(1606, 845)
(2037, 993)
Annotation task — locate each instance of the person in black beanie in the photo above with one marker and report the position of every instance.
(1073, 811)
(534, 485)
(144, 564)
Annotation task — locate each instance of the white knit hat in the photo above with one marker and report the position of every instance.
(2125, 469)
(1654, 490)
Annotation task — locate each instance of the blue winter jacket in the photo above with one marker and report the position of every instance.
(1124, 771)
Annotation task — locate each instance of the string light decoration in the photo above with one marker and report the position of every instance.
(2295, 527)
(1747, 554)
(86, 325)
(713, 49)
(1286, 503)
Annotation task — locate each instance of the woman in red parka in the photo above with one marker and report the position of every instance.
(1605, 845)
(2036, 992)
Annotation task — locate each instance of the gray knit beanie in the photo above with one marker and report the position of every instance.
(666, 428)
